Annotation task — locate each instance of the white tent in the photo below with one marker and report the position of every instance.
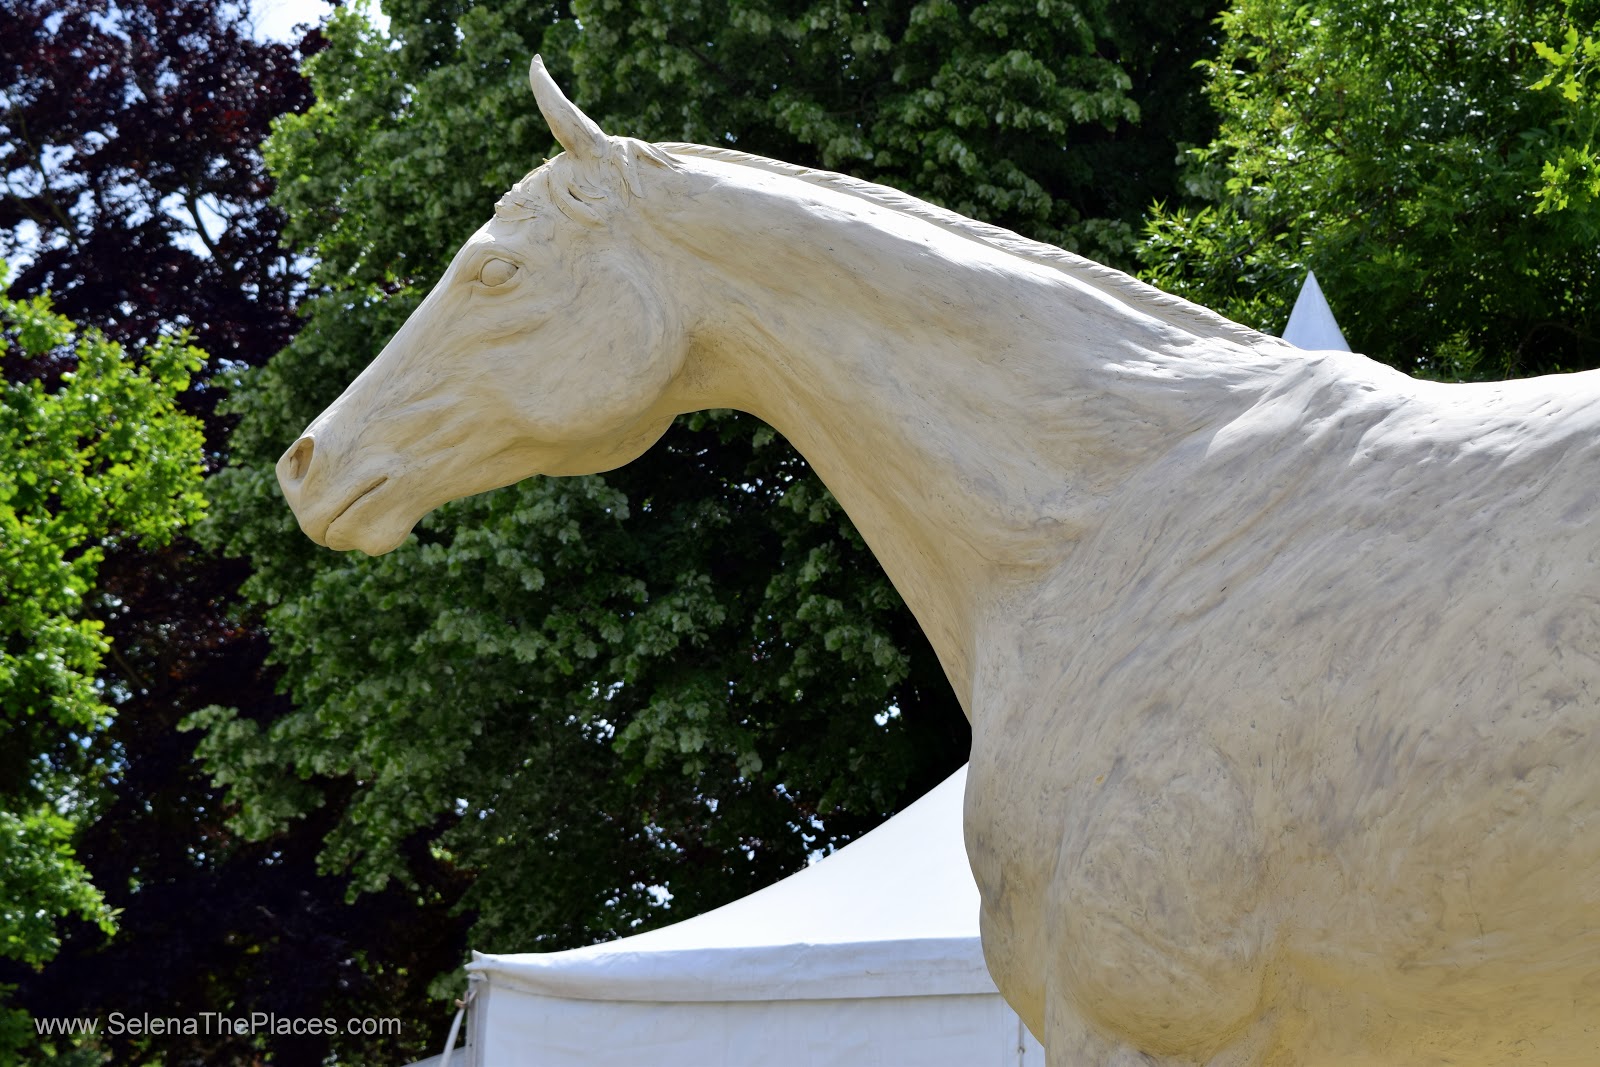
(1311, 322)
(869, 958)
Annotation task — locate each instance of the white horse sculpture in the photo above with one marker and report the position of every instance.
(1282, 667)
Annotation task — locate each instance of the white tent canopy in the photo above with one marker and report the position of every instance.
(1311, 322)
(869, 958)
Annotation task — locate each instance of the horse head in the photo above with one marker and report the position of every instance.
(545, 348)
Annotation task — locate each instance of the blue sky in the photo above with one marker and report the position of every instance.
(276, 19)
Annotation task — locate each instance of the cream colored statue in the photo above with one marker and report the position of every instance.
(1283, 668)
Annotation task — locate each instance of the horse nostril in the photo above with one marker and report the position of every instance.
(298, 461)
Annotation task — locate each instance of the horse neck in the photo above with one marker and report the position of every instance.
(972, 411)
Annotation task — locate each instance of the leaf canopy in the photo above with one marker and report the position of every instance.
(1395, 147)
(93, 454)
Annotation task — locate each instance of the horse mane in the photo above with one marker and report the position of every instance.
(1173, 310)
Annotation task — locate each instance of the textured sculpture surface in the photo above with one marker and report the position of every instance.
(1282, 667)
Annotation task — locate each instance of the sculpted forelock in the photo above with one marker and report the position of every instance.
(1282, 667)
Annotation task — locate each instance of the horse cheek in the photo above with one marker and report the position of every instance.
(642, 348)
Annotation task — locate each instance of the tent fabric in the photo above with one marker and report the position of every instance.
(868, 957)
(1311, 323)
(790, 971)
(522, 1030)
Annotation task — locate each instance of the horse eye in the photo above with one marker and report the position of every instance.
(497, 272)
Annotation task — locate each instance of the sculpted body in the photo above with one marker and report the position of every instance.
(1282, 667)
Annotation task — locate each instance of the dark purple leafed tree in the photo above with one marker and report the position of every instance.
(132, 188)
(133, 179)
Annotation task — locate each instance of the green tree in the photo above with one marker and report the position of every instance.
(1395, 147)
(1055, 118)
(132, 188)
(93, 454)
(682, 677)
(1571, 173)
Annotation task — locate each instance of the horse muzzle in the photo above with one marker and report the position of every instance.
(340, 513)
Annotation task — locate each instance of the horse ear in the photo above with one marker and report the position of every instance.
(575, 131)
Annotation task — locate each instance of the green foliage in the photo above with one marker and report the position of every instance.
(1392, 146)
(95, 458)
(40, 882)
(1019, 112)
(93, 453)
(1572, 172)
(684, 676)
(977, 107)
